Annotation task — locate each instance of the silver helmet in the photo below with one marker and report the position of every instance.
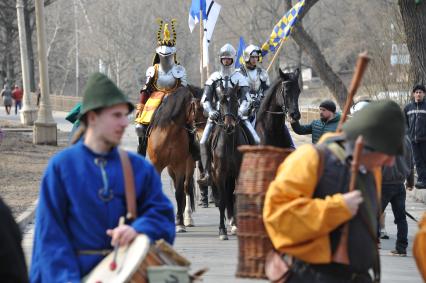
(227, 51)
(251, 50)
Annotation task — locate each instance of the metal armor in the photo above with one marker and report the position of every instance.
(166, 79)
(209, 101)
(227, 77)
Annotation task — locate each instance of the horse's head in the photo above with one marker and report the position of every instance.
(228, 101)
(197, 93)
(290, 91)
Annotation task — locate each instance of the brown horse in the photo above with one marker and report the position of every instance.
(168, 146)
(227, 135)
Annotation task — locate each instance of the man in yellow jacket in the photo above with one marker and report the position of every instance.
(306, 207)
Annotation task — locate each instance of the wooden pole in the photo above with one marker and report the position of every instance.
(341, 253)
(275, 55)
(361, 66)
(201, 49)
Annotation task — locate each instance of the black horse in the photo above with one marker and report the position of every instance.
(281, 99)
(226, 159)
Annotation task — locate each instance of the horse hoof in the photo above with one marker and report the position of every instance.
(234, 230)
(188, 222)
(223, 237)
(180, 229)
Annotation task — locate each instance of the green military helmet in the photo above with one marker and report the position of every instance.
(382, 125)
(101, 92)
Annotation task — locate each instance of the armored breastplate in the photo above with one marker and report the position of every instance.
(253, 79)
(165, 80)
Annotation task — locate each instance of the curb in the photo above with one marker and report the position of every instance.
(27, 216)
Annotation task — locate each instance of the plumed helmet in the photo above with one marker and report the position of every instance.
(227, 51)
(251, 50)
(101, 92)
(382, 125)
(166, 45)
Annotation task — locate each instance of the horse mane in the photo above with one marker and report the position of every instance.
(196, 91)
(270, 93)
(171, 108)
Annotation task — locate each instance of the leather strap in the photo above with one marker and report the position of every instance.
(129, 184)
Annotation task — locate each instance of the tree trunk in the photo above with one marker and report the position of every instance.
(10, 69)
(28, 17)
(413, 17)
(320, 65)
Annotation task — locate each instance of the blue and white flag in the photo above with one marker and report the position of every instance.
(209, 22)
(241, 46)
(194, 13)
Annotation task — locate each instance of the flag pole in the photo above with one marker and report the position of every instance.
(275, 55)
(201, 49)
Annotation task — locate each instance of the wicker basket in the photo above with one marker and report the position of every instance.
(258, 169)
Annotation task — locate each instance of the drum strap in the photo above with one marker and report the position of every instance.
(129, 184)
(94, 252)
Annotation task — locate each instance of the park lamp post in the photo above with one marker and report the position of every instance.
(45, 130)
(27, 113)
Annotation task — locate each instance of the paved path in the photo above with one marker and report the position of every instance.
(202, 247)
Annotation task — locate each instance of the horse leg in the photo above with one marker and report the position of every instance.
(230, 202)
(180, 201)
(223, 235)
(189, 194)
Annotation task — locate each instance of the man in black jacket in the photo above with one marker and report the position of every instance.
(415, 114)
(393, 191)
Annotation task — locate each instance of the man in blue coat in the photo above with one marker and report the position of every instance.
(82, 194)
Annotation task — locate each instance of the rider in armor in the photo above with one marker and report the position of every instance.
(228, 77)
(162, 78)
(257, 78)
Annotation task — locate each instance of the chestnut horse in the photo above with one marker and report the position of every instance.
(168, 146)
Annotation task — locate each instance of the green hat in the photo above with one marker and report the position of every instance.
(101, 92)
(382, 126)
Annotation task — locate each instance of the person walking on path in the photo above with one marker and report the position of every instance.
(393, 192)
(308, 202)
(82, 193)
(328, 122)
(17, 95)
(415, 115)
(6, 94)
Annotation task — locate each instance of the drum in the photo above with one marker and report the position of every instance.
(132, 262)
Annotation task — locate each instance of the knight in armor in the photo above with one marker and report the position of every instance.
(162, 78)
(228, 77)
(257, 78)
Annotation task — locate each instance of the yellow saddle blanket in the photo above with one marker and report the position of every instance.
(151, 105)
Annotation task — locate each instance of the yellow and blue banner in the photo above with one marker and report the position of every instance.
(241, 46)
(283, 28)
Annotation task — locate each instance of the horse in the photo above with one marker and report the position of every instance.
(280, 100)
(227, 135)
(168, 146)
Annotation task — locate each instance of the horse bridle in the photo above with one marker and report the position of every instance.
(284, 107)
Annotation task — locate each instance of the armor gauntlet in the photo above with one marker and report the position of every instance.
(245, 103)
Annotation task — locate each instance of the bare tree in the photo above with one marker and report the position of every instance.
(413, 17)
